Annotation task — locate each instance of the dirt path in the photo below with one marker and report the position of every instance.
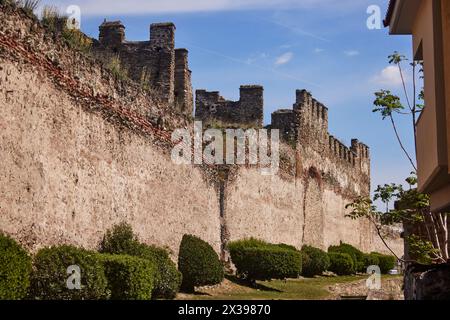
(391, 289)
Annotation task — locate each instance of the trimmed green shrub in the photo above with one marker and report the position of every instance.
(356, 255)
(370, 260)
(269, 263)
(50, 275)
(198, 263)
(122, 240)
(287, 246)
(167, 277)
(259, 260)
(341, 263)
(386, 262)
(237, 248)
(15, 269)
(315, 261)
(129, 278)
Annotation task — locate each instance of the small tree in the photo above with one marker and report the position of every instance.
(409, 205)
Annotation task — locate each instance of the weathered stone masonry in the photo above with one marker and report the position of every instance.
(82, 151)
(155, 63)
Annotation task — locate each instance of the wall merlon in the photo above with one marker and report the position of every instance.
(303, 97)
(162, 35)
(111, 33)
(361, 149)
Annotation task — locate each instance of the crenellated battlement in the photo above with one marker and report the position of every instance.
(210, 106)
(155, 64)
(307, 126)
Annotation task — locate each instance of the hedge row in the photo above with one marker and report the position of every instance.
(315, 261)
(15, 268)
(124, 269)
(128, 269)
(122, 240)
(361, 261)
(258, 260)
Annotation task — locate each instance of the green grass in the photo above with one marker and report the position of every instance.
(294, 289)
(299, 289)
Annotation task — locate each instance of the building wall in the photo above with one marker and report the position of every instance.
(429, 41)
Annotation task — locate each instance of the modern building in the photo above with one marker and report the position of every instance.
(428, 21)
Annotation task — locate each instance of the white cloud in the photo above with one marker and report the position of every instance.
(108, 7)
(284, 58)
(351, 53)
(318, 50)
(389, 76)
(254, 58)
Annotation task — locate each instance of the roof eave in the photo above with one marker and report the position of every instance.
(401, 16)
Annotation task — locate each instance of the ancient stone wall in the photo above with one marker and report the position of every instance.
(79, 152)
(247, 112)
(154, 63)
(82, 150)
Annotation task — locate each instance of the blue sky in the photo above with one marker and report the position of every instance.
(323, 46)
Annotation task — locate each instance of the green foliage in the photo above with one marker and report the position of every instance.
(270, 263)
(237, 248)
(122, 240)
(396, 58)
(58, 24)
(386, 104)
(356, 255)
(386, 262)
(129, 278)
(409, 204)
(421, 250)
(341, 263)
(258, 260)
(116, 68)
(198, 263)
(370, 260)
(362, 207)
(167, 277)
(15, 268)
(49, 277)
(287, 246)
(77, 40)
(314, 261)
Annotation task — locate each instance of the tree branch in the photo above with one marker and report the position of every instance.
(401, 143)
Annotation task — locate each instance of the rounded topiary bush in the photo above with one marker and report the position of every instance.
(49, 280)
(258, 260)
(371, 260)
(122, 240)
(15, 268)
(270, 263)
(386, 262)
(356, 255)
(129, 278)
(236, 248)
(198, 263)
(167, 277)
(341, 263)
(315, 261)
